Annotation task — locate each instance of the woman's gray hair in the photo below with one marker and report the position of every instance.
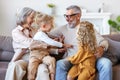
(23, 14)
(75, 8)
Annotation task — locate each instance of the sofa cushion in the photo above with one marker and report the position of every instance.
(6, 43)
(116, 72)
(113, 51)
(6, 49)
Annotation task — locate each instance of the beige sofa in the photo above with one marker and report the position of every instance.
(6, 53)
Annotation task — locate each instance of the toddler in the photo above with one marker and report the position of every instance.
(40, 54)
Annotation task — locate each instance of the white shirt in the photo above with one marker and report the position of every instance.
(21, 39)
(42, 36)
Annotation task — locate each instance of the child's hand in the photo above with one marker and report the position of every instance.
(62, 50)
(56, 39)
(67, 45)
(68, 58)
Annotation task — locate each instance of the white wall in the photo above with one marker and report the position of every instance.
(8, 9)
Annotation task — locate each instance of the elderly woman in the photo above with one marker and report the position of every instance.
(22, 38)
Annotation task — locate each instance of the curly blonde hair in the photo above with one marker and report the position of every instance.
(86, 36)
(41, 18)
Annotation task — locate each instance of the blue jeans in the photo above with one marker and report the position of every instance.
(62, 67)
(104, 67)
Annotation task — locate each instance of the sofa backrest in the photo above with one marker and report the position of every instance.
(115, 37)
(113, 52)
(7, 52)
(6, 48)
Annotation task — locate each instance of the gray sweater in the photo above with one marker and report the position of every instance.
(70, 38)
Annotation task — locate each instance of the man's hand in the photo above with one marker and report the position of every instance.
(62, 50)
(100, 51)
(61, 39)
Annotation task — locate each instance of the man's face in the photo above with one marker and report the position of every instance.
(72, 18)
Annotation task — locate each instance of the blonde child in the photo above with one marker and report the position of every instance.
(41, 54)
(84, 60)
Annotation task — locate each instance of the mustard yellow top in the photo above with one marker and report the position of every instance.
(81, 55)
(83, 62)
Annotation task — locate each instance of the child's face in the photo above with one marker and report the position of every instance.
(47, 27)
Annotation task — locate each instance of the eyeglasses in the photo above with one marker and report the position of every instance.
(66, 16)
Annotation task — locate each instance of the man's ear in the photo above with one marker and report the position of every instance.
(79, 16)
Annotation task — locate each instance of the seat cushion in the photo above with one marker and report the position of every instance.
(3, 68)
(6, 43)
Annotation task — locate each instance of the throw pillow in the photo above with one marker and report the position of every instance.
(113, 52)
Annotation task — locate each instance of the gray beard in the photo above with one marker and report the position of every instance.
(72, 25)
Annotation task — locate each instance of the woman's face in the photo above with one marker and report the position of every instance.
(30, 19)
